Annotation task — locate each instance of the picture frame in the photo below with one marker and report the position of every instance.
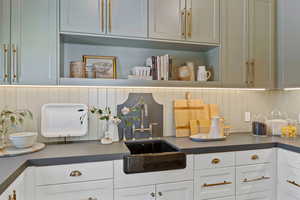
(104, 67)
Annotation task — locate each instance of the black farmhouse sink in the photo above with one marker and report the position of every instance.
(151, 156)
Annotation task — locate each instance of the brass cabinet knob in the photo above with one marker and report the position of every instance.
(160, 193)
(75, 173)
(215, 161)
(152, 194)
(254, 157)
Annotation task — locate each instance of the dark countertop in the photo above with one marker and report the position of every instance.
(12, 167)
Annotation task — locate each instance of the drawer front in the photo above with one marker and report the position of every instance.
(74, 173)
(288, 158)
(258, 178)
(214, 160)
(77, 191)
(256, 196)
(214, 183)
(254, 157)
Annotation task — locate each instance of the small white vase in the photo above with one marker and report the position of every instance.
(215, 131)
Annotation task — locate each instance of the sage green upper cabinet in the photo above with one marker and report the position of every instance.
(262, 43)
(4, 40)
(128, 18)
(288, 43)
(203, 21)
(34, 39)
(248, 43)
(167, 19)
(234, 39)
(82, 16)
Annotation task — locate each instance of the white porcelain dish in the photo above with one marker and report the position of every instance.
(64, 120)
(23, 139)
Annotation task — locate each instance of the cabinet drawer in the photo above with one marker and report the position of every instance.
(214, 183)
(254, 157)
(74, 173)
(77, 191)
(258, 178)
(214, 160)
(288, 158)
(256, 196)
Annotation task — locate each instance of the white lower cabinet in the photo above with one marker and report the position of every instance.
(93, 190)
(257, 196)
(170, 191)
(214, 183)
(16, 189)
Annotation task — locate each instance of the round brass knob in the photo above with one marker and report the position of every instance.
(75, 173)
(215, 161)
(254, 157)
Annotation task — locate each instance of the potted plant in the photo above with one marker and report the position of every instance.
(10, 119)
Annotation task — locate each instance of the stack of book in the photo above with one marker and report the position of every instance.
(161, 68)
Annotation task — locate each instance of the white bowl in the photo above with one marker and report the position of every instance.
(23, 139)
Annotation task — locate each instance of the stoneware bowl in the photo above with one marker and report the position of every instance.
(23, 139)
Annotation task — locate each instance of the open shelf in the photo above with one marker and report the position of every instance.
(135, 83)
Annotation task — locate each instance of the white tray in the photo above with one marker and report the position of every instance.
(64, 120)
(12, 151)
(205, 138)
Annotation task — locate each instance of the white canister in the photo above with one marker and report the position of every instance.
(202, 74)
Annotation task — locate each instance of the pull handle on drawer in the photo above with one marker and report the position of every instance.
(294, 183)
(254, 157)
(14, 197)
(75, 173)
(215, 161)
(216, 184)
(255, 179)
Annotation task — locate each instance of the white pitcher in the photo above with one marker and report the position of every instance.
(215, 129)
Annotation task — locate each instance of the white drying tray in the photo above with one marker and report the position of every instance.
(64, 120)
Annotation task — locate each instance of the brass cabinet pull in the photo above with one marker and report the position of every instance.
(14, 195)
(293, 183)
(256, 179)
(102, 15)
(5, 63)
(152, 194)
(14, 62)
(189, 23)
(110, 15)
(254, 157)
(216, 184)
(252, 64)
(247, 73)
(215, 161)
(75, 173)
(183, 23)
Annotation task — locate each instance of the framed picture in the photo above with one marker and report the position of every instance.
(104, 66)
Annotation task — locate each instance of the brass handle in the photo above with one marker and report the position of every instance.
(14, 62)
(252, 63)
(215, 161)
(75, 173)
(254, 157)
(160, 194)
(183, 22)
(189, 22)
(256, 179)
(152, 194)
(247, 72)
(102, 15)
(14, 195)
(293, 183)
(216, 184)
(5, 62)
(110, 16)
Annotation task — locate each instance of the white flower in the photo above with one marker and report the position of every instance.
(125, 111)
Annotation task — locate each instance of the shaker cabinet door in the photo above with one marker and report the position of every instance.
(34, 41)
(203, 21)
(4, 40)
(234, 39)
(262, 43)
(82, 16)
(137, 193)
(175, 191)
(128, 18)
(167, 19)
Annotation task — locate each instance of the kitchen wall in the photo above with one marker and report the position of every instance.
(233, 103)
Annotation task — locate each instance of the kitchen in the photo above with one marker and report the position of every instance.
(124, 66)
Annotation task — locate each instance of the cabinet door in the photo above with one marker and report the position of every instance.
(167, 19)
(257, 196)
(82, 16)
(175, 191)
(203, 21)
(34, 41)
(77, 191)
(4, 40)
(234, 39)
(137, 193)
(128, 18)
(288, 43)
(262, 43)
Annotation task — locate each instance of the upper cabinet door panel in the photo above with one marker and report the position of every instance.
(167, 19)
(128, 18)
(4, 40)
(82, 16)
(235, 42)
(262, 42)
(203, 21)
